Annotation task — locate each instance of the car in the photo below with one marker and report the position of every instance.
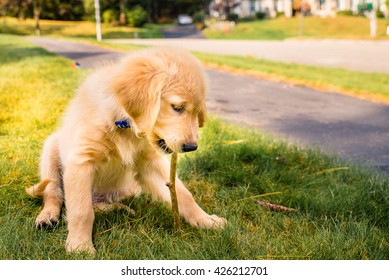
(184, 19)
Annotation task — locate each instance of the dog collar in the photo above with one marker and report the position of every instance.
(123, 123)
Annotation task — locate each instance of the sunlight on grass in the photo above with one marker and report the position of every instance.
(342, 209)
(83, 29)
(370, 86)
(341, 27)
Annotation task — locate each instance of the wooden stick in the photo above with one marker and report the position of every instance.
(172, 188)
(274, 207)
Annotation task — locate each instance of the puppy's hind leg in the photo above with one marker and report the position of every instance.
(49, 188)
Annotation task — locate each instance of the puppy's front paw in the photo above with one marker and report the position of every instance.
(73, 246)
(218, 222)
(208, 221)
(46, 219)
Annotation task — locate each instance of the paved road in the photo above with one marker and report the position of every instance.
(354, 129)
(368, 56)
(183, 31)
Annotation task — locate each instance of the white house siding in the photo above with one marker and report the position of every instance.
(248, 8)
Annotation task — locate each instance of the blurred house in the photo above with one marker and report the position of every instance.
(249, 8)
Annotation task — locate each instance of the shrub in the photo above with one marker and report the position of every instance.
(109, 16)
(199, 17)
(247, 19)
(137, 16)
(261, 15)
(232, 17)
(345, 13)
(380, 14)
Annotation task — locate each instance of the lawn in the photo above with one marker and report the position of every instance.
(341, 209)
(341, 27)
(369, 86)
(78, 29)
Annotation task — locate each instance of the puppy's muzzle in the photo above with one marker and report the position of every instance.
(162, 144)
(187, 147)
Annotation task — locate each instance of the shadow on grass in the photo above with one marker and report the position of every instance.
(12, 53)
(320, 186)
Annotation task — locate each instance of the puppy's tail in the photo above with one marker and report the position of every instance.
(37, 190)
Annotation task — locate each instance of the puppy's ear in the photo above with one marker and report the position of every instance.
(138, 86)
(202, 116)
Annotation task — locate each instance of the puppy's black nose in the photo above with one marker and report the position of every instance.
(189, 147)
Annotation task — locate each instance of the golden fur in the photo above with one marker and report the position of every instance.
(90, 162)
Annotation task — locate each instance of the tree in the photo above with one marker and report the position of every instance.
(84, 9)
(137, 16)
(4, 6)
(122, 14)
(22, 8)
(224, 7)
(70, 9)
(37, 8)
(14, 7)
(170, 9)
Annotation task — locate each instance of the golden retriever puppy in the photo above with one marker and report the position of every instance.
(114, 137)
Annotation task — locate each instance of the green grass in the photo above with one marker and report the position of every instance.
(78, 29)
(371, 86)
(342, 209)
(341, 27)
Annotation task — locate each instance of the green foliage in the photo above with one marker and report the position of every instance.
(136, 17)
(199, 17)
(380, 14)
(260, 15)
(84, 29)
(61, 9)
(89, 10)
(232, 17)
(84, 9)
(110, 16)
(345, 13)
(342, 209)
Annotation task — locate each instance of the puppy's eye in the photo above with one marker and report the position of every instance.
(179, 109)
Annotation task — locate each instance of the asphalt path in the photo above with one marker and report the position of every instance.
(183, 31)
(354, 129)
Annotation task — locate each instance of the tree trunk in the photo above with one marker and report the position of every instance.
(156, 12)
(4, 12)
(37, 13)
(122, 15)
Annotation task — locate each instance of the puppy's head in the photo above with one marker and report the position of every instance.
(163, 91)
